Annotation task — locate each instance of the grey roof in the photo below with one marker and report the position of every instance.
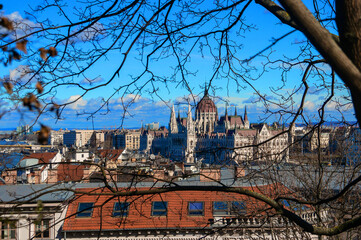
(306, 176)
(32, 193)
(64, 191)
(29, 162)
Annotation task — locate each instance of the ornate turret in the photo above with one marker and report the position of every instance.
(190, 123)
(226, 123)
(173, 126)
(191, 137)
(246, 122)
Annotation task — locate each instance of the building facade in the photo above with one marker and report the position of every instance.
(81, 138)
(128, 139)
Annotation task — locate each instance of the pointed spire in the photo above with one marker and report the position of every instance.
(173, 122)
(226, 118)
(173, 111)
(190, 124)
(205, 89)
(226, 114)
(245, 114)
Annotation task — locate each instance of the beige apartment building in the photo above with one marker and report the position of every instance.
(80, 138)
(128, 139)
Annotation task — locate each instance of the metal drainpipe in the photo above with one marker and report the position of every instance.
(29, 228)
(64, 235)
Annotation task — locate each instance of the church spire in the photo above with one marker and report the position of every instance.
(190, 124)
(245, 114)
(173, 126)
(226, 114)
(205, 89)
(245, 121)
(226, 125)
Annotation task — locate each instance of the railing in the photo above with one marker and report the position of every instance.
(310, 217)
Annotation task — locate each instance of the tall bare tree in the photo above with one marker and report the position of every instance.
(63, 51)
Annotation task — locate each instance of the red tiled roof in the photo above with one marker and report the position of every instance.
(235, 120)
(70, 172)
(247, 132)
(110, 154)
(43, 157)
(139, 216)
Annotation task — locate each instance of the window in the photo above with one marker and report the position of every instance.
(8, 230)
(85, 210)
(120, 209)
(159, 208)
(195, 208)
(229, 208)
(220, 208)
(238, 208)
(42, 229)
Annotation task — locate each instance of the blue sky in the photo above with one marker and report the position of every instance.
(156, 107)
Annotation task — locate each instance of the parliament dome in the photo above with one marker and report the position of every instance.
(206, 105)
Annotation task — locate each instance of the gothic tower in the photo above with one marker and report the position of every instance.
(246, 122)
(173, 126)
(191, 137)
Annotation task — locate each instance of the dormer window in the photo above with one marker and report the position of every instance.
(195, 208)
(229, 208)
(159, 208)
(121, 209)
(85, 210)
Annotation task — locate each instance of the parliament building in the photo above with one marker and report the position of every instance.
(217, 140)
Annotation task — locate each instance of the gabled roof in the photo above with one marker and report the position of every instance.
(110, 154)
(37, 159)
(42, 157)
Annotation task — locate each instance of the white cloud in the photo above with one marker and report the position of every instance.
(333, 106)
(21, 74)
(21, 25)
(162, 104)
(131, 98)
(79, 103)
(309, 106)
(89, 34)
(190, 98)
(234, 100)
